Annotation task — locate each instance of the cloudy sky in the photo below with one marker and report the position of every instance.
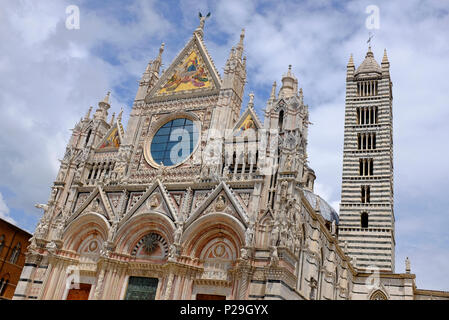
(50, 75)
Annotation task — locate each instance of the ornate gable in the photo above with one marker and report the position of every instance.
(191, 73)
(155, 199)
(248, 120)
(221, 199)
(94, 202)
(112, 140)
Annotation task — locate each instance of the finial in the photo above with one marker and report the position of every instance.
(88, 113)
(119, 117)
(301, 95)
(106, 99)
(251, 100)
(161, 49)
(202, 21)
(112, 119)
(385, 58)
(242, 36)
(239, 48)
(370, 37)
(273, 91)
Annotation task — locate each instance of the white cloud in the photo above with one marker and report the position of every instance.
(4, 211)
(50, 76)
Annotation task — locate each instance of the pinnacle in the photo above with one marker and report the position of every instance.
(273, 91)
(106, 99)
(351, 61)
(385, 58)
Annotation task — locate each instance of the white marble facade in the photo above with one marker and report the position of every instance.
(234, 216)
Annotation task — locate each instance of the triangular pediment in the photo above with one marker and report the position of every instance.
(191, 73)
(111, 140)
(115, 201)
(154, 199)
(248, 122)
(93, 202)
(221, 200)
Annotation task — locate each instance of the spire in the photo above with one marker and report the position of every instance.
(112, 119)
(273, 91)
(106, 99)
(158, 62)
(385, 65)
(103, 106)
(350, 68)
(351, 62)
(119, 117)
(240, 45)
(301, 96)
(87, 117)
(385, 58)
(369, 65)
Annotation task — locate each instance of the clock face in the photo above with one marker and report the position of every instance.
(174, 142)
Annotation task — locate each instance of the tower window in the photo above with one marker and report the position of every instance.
(88, 137)
(366, 167)
(281, 120)
(366, 141)
(367, 88)
(364, 219)
(367, 115)
(366, 194)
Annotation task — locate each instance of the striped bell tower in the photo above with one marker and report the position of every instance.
(366, 226)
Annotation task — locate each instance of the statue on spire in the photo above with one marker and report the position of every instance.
(203, 20)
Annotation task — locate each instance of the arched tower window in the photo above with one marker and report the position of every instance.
(88, 137)
(281, 120)
(364, 219)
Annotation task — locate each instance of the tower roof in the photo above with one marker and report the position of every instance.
(369, 65)
(289, 84)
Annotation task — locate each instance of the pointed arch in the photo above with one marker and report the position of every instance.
(378, 295)
(281, 119)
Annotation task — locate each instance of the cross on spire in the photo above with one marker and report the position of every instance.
(370, 37)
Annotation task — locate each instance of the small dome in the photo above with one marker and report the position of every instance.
(326, 211)
(369, 65)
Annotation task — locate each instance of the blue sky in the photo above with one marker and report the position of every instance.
(51, 75)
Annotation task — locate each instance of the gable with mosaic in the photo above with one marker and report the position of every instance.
(191, 74)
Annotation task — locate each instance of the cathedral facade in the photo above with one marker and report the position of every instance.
(199, 199)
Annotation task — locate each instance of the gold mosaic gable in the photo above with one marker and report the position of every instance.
(189, 75)
(247, 124)
(112, 141)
